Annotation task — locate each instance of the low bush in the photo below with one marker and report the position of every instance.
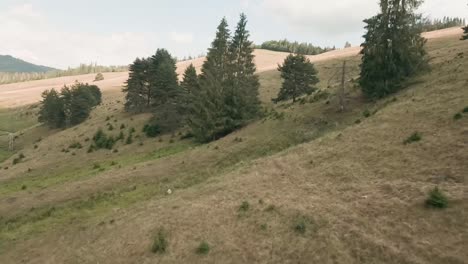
(415, 137)
(159, 243)
(75, 145)
(152, 130)
(102, 141)
(437, 199)
(244, 207)
(457, 116)
(203, 248)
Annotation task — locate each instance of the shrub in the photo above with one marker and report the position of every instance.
(18, 159)
(159, 243)
(152, 130)
(110, 127)
(437, 199)
(121, 136)
(99, 77)
(75, 145)
(465, 110)
(415, 137)
(129, 139)
(122, 126)
(244, 206)
(366, 113)
(457, 116)
(101, 140)
(301, 225)
(203, 248)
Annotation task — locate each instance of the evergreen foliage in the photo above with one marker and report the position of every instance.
(151, 130)
(228, 87)
(299, 77)
(437, 199)
(393, 49)
(292, 47)
(69, 107)
(103, 141)
(138, 95)
(465, 33)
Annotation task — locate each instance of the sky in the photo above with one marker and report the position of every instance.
(60, 33)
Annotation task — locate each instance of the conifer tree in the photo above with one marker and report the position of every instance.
(137, 92)
(190, 81)
(51, 111)
(393, 48)
(465, 32)
(163, 79)
(299, 77)
(217, 57)
(207, 106)
(69, 107)
(241, 93)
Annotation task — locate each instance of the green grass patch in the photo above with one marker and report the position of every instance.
(5, 154)
(13, 120)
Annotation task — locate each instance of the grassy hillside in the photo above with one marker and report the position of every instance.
(305, 184)
(11, 64)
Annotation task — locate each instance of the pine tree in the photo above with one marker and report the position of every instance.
(207, 107)
(299, 77)
(163, 79)
(465, 32)
(190, 81)
(241, 93)
(137, 92)
(393, 49)
(69, 107)
(51, 111)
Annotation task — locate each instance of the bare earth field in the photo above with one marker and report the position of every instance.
(306, 183)
(19, 94)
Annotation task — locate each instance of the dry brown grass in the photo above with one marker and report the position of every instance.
(359, 189)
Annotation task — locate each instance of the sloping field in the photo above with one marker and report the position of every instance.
(19, 94)
(305, 184)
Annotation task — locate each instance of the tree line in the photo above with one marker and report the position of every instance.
(446, 22)
(293, 47)
(14, 77)
(69, 107)
(212, 104)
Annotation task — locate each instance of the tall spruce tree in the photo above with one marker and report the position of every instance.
(393, 48)
(137, 90)
(228, 94)
(163, 79)
(465, 32)
(241, 93)
(299, 77)
(190, 80)
(206, 118)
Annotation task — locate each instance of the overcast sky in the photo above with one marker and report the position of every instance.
(61, 33)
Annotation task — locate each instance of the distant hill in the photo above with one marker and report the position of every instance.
(11, 64)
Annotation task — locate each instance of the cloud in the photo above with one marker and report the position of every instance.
(182, 38)
(329, 18)
(32, 38)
